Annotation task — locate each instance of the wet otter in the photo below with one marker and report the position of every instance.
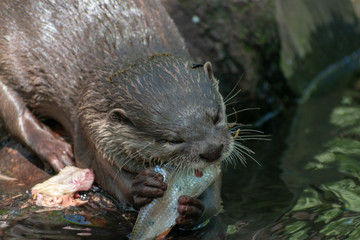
(89, 65)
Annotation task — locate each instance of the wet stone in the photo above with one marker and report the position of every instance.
(17, 173)
(20, 218)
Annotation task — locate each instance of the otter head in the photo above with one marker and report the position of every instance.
(156, 111)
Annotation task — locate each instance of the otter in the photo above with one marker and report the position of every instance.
(117, 76)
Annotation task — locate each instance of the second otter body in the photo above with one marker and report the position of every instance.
(90, 66)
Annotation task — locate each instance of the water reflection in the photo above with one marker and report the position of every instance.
(308, 186)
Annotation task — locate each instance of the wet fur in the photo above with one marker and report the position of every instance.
(155, 99)
(90, 66)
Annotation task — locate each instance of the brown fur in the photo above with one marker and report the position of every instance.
(91, 66)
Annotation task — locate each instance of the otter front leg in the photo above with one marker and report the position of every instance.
(146, 186)
(23, 125)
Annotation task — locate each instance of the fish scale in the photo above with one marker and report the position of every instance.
(159, 216)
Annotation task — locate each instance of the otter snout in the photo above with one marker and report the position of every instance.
(212, 153)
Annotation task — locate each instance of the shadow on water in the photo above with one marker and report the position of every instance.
(329, 43)
(315, 36)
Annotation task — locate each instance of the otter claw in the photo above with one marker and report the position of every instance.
(190, 210)
(146, 186)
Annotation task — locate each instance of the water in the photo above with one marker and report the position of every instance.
(308, 186)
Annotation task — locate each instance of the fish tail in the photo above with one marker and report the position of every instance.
(164, 234)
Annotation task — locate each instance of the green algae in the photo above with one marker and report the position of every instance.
(308, 199)
(345, 116)
(331, 205)
(295, 226)
(349, 166)
(341, 227)
(300, 235)
(328, 215)
(344, 145)
(231, 229)
(347, 192)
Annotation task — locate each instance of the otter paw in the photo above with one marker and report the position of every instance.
(55, 151)
(190, 210)
(146, 186)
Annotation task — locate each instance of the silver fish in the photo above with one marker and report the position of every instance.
(159, 216)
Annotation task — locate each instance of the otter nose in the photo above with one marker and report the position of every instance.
(212, 153)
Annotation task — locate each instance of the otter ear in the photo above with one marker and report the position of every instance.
(209, 72)
(118, 115)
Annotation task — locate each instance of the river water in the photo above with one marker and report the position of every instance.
(307, 186)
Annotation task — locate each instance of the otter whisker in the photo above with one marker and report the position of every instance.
(239, 145)
(255, 137)
(152, 162)
(229, 97)
(241, 155)
(248, 134)
(129, 158)
(244, 135)
(234, 123)
(126, 161)
(229, 160)
(234, 157)
(236, 134)
(246, 151)
(175, 160)
(245, 130)
(242, 110)
(232, 90)
(232, 103)
(226, 101)
(240, 151)
(178, 167)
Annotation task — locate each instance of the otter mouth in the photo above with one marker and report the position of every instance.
(138, 164)
(134, 166)
(135, 163)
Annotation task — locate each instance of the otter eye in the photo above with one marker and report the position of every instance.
(172, 142)
(119, 116)
(217, 118)
(175, 142)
